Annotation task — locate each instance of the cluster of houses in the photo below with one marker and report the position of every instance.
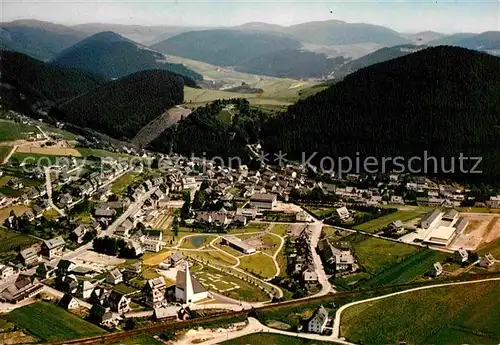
(337, 257)
(302, 259)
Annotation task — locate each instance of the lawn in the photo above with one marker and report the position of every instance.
(375, 254)
(121, 183)
(213, 257)
(34, 158)
(4, 152)
(50, 323)
(272, 339)
(463, 314)
(413, 268)
(258, 264)
(320, 211)
(281, 229)
(10, 130)
(11, 242)
(246, 291)
(101, 153)
(271, 242)
(251, 227)
(123, 288)
(492, 247)
(380, 223)
(5, 212)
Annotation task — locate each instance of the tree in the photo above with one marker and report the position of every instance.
(130, 324)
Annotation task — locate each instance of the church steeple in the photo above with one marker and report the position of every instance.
(188, 291)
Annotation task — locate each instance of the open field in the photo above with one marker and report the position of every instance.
(5, 212)
(11, 242)
(272, 339)
(49, 151)
(463, 314)
(375, 254)
(10, 130)
(34, 158)
(382, 222)
(386, 262)
(50, 323)
(273, 87)
(4, 152)
(258, 264)
(101, 153)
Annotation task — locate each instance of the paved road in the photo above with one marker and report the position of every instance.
(338, 314)
(132, 209)
(48, 185)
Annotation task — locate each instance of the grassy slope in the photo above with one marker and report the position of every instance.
(10, 130)
(379, 223)
(10, 241)
(258, 264)
(51, 323)
(460, 314)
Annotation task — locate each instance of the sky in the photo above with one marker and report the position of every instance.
(401, 15)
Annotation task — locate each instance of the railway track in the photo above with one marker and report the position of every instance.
(160, 327)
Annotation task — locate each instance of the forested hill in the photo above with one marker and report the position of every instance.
(258, 52)
(40, 40)
(381, 55)
(444, 100)
(114, 56)
(122, 107)
(41, 81)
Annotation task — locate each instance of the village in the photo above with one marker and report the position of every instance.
(156, 238)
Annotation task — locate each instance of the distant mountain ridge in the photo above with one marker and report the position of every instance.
(40, 40)
(114, 56)
(256, 52)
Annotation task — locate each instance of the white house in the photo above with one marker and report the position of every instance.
(318, 321)
(343, 213)
(486, 261)
(114, 277)
(6, 272)
(303, 216)
(460, 255)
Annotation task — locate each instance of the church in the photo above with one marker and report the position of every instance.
(187, 288)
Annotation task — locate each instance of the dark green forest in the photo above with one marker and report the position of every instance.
(292, 64)
(37, 42)
(122, 107)
(443, 100)
(264, 53)
(114, 56)
(204, 133)
(43, 81)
